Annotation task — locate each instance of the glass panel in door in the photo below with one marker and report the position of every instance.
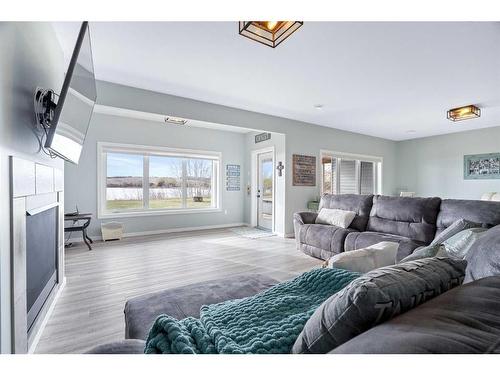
(265, 191)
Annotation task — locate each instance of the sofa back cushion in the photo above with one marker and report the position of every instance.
(486, 213)
(360, 204)
(414, 218)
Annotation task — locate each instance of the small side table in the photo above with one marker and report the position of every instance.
(80, 224)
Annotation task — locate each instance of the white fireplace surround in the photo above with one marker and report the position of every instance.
(34, 188)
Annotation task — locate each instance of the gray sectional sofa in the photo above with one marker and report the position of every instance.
(464, 319)
(411, 222)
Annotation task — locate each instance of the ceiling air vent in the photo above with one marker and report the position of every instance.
(175, 120)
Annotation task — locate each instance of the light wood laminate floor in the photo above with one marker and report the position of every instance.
(98, 282)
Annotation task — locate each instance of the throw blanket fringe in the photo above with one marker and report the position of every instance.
(268, 322)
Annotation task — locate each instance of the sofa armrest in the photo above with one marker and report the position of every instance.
(305, 217)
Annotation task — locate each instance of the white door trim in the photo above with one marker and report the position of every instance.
(253, 186)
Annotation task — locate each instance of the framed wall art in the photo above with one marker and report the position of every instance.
(304, 170)
(482, 166)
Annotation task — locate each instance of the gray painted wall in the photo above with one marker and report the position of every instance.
(81, 179)
(301, 137)
(31, 57)
(433, 166)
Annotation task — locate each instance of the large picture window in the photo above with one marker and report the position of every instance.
(137, 180)
(350, 174)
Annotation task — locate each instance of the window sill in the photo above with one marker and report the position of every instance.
(111, 215)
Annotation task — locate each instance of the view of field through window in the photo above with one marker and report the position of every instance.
(174, 182)
(124, 181)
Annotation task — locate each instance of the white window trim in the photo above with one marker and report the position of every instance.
(377, 176)
(147, 151)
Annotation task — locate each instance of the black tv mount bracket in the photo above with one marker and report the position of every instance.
(44, 106)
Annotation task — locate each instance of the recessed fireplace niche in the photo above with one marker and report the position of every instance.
(37, 248)
(41, 260)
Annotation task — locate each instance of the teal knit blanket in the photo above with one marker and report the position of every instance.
(268, 322)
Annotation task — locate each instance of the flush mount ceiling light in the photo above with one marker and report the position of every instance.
(463, 113)
(270, 33)
(175, 120)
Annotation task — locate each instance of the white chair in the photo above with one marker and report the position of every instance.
(112, 230)
(409, 194)
(493, 196)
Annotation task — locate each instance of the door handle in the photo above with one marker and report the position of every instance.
(258, 193)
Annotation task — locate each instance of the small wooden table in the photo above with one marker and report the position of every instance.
(79, 227)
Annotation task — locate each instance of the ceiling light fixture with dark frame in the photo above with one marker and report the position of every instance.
(463, 113)
(269, 33)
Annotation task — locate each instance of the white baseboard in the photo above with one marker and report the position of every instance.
(164, 231)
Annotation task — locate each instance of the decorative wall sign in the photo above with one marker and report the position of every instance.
(304, 170)
(233, 173)
(262, 137)
(482, 166)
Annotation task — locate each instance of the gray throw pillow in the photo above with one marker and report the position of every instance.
(458, 245)
(453, 229)
(483, 258)
(375, 297)
(423, 252)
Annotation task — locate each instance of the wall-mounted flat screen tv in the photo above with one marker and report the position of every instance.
(74, 108)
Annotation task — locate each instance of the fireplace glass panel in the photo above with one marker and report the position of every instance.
(41, 260)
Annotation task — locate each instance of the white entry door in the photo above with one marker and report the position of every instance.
(265, 190)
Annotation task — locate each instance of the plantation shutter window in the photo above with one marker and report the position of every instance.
(367, 177)
(350, 174)
(348, 181)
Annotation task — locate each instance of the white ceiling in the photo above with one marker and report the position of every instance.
(391, 80)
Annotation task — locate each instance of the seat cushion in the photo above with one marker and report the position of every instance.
(120, 347)
(414, 218)
(325, 237)
(360, 204)
(462, 320)
(483, 212)
(360, 240)
(140, 312)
